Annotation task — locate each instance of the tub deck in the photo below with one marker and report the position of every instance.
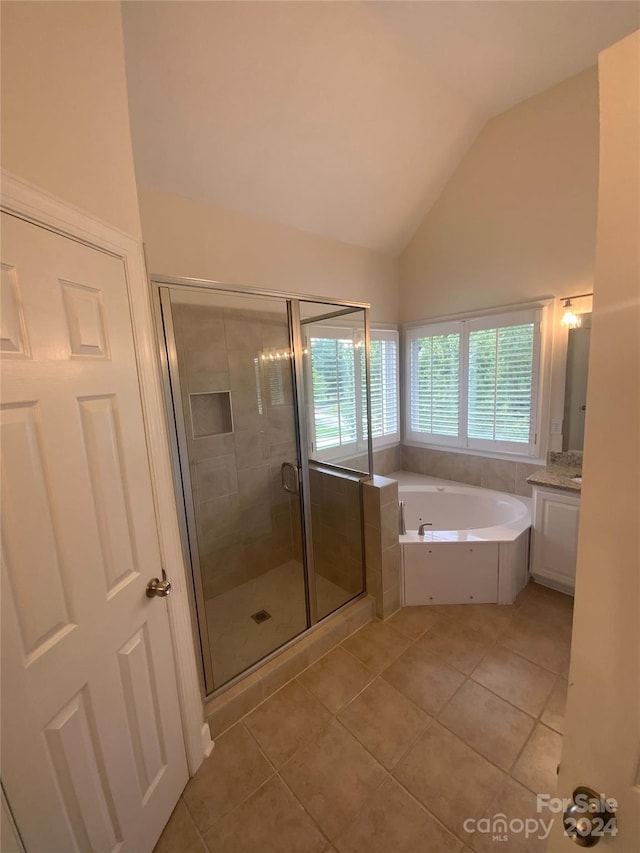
(482, 565)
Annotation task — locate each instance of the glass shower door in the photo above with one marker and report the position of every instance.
(231, 381)
(333, 341)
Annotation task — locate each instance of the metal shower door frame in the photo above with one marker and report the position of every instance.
(161, 287)
(182, 479)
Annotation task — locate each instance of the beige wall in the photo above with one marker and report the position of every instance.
(187, 238)
(65, 120)
(607, 579)
(517, 220)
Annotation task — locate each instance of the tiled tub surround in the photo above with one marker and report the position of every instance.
(502, 475)
(385, 460)
(391, 740)
(477, 551)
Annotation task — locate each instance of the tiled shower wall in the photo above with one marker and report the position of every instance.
(245, 520)
(500, 474)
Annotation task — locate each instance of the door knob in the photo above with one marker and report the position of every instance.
(589, 817)
(157, 587)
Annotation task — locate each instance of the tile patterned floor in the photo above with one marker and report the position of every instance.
(391, 740)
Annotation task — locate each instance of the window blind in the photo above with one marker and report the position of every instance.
(334, 392)
(500, 379)
(383, 367)
(474, 383)
(339, 406)
(434, 384)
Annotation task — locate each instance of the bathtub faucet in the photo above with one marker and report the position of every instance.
(422, 527)
(402, 526)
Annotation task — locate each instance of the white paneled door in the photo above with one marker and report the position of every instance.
(92, 748)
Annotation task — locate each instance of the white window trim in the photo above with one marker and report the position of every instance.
(358, 447)
(536, 450)
(444, 328)
(390, 439)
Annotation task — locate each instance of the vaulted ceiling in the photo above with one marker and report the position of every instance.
(341, 118)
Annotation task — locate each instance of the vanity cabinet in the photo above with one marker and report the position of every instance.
(554, 543)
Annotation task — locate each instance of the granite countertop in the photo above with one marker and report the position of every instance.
(557, 477)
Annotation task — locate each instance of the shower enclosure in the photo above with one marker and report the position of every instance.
(269, 413)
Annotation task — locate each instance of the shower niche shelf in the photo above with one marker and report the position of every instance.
(211, 413)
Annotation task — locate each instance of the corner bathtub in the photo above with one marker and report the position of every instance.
(476, 549)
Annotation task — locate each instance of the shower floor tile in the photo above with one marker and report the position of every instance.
(237, 641)
(330, 789)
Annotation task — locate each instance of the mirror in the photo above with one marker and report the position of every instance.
(575, 391)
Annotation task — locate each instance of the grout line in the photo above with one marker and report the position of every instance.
(432, 718)
(389, 772)
(536, 720)
(507, 774)
(365, 804)
(260, 748)
(496, 642)
(239, 805)
(435, 817)
(303, 807)
(351, 654)
(294, 677)
(430, 721)
(191, 818)
(201, 833)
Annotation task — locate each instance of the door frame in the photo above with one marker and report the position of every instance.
(34, 205)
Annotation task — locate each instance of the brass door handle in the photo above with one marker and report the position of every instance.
(159, 588)
(589, 817)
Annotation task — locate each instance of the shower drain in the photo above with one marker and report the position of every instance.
(260, 616)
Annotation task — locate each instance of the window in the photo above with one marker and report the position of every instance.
(474, 383)
(383, 370)
(338, 402)
(334, 387)
(435, 381)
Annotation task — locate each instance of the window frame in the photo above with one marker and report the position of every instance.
(389, 439)
(424, 331)
(345, 451)
(464, 325)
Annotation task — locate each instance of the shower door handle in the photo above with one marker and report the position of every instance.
(289, 477)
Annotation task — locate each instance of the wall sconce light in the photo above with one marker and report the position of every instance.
(358, 339)
(571, 320)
